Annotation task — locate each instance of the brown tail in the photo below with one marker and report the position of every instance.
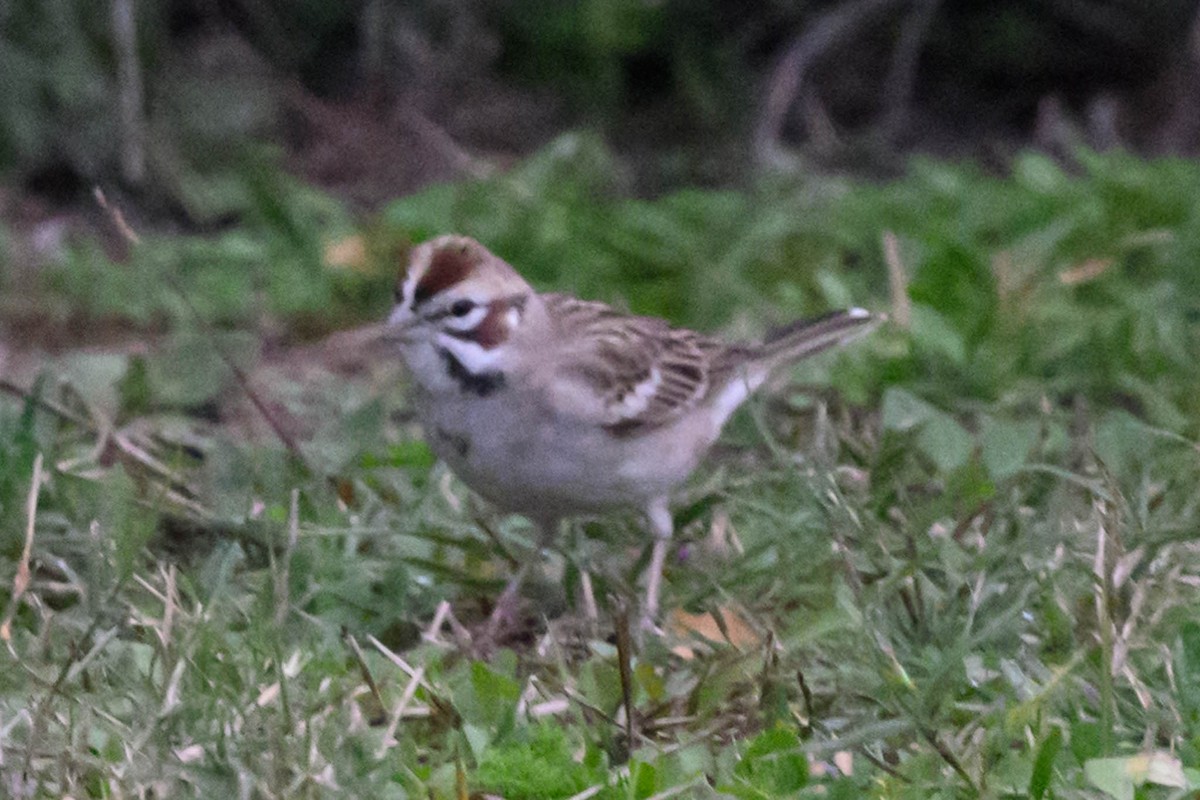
(809, 337)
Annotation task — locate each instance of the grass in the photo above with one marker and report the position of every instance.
(958, 560)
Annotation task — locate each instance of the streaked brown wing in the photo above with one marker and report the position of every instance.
(627, 373)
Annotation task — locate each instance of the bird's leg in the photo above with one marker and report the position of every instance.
(661, 526)
(505, 611)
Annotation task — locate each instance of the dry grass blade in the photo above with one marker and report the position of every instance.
(283, 572)
(897, 281)
(21, 578)
(379, 712)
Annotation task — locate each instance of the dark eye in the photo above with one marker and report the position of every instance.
(462, 307)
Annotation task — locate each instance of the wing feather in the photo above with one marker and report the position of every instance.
(627, 373)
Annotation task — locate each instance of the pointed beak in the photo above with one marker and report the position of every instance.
(400, 323)
(400, 316)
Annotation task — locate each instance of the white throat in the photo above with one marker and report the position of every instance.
(470, 354)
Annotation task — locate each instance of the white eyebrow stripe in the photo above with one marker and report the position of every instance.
(464, 323)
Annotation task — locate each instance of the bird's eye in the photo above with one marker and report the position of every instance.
(462, 307)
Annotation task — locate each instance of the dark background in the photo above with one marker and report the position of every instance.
(375, 99)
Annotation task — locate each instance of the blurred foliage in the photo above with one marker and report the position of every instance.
(204, 102)
(274, 264)
(57, 92)
(676, 85)
(1046, 287)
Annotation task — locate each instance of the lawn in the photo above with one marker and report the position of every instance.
(959, 558)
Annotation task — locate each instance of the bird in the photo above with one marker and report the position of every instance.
(552, 407)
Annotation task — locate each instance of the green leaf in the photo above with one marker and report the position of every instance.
(217, 570)
(1039, 173)
(1087, 741)
(1043, 763)
(495, 695)
(946, 442)
(1111, 776)
(189, 369)
(1005, 445)
(96, 377)
(1118, 777)
(1189, 663)
(932, 332)
(774, 763)
(644, 778)
(903, 410)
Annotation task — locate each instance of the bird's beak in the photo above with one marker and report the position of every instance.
(400, 323)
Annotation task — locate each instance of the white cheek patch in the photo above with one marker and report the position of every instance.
(471, 354)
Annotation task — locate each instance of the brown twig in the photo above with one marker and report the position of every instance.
(902, 75)
(243, 380)
(624, 665)
(942, 750)
(787, 79)
(130, 92)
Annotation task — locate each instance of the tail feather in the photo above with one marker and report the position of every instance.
(809, 337)
(786, 345)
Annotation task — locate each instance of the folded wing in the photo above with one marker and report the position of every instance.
(626, 373)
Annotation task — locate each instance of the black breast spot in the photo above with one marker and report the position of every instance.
(477, 383)
(461, 444)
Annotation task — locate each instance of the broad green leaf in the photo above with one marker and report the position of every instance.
(932, 332)
(1039, 173)
(1005, 445)
(903, 410)
(97, 378)
(1119, 777)
(495, 695)
(1111, 776)
(1043, 763)
(946, 442)
(774, 763)
(645, 779)
(1087, 741)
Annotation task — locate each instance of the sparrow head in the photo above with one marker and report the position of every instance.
(458, 296)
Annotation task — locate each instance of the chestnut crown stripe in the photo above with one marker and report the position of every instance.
(447, 267)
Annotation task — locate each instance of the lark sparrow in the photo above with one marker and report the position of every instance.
(550, 406)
